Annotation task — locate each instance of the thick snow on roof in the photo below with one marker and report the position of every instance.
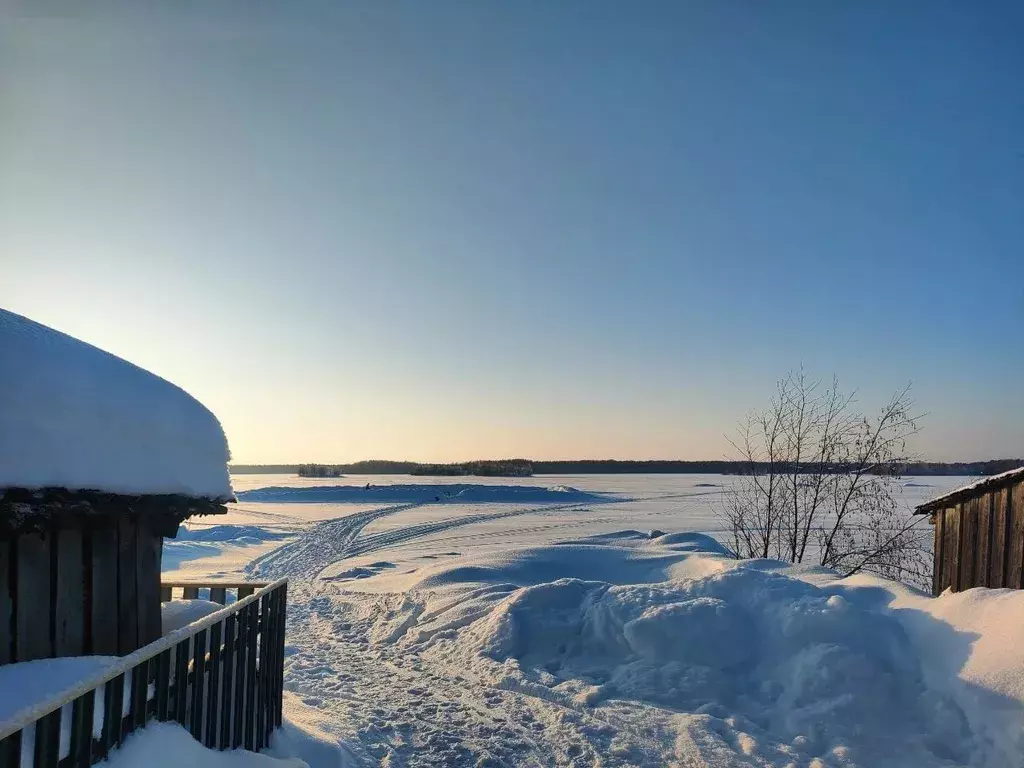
(74, 416)
(978, 484)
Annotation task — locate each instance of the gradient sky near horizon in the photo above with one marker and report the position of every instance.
(444, 231)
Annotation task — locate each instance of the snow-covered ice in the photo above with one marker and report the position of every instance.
(611, 630)
(420, 493)
(74, 416)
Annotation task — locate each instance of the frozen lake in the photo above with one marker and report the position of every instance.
(671, 503)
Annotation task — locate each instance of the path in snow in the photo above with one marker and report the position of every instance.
(390, 703)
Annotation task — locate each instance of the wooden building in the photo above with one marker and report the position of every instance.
(79, 568)
(80, 571)
(979, 534)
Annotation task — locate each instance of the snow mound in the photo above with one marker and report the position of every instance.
(655, 540)
(542, 564)
(74, 416)
(175, 614)
(799, 664)
(460, 493)
(763, 664)
(167, 745)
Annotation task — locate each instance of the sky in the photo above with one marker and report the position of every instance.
(444, 231)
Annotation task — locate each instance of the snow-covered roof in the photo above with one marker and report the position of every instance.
(74, 416)
(984, 483)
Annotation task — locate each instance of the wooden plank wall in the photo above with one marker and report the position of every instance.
(78, 590)
(6, 604)
(1015, 556)
(938, 519)
(1000, 536)
(983, 571)
(953, 547)
(980, 542)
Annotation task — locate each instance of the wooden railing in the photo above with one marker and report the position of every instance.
(215, 591)
(221, 678)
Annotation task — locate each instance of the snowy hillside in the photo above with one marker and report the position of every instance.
(74, 416)
(509, 632)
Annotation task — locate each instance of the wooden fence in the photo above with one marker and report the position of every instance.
(221, 678)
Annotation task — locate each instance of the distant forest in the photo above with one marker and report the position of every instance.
(526, 468)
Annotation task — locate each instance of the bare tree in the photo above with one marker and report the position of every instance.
(819, 483)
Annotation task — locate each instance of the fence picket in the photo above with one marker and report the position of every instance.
(252, 628)
(82, 711)
(163, 685)
(213, 707)
(241, 659)
(47, 747)
(181, 683)
(113, 703)
(140, 687)
(198, 684)
(227, 692)
(10, 751)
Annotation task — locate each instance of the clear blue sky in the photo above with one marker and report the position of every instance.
(443, 231)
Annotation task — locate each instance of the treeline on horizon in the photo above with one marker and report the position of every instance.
(527, 467)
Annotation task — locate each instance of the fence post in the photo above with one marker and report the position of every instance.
(283, 620)
(262, 674)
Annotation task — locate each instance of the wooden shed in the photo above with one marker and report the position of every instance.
(80, 570)
(979, 534)
(99, 460)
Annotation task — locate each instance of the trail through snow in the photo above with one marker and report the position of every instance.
(406, 711)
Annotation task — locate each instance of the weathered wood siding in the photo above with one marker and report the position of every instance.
(80, 588)
(979, 541)
(1015, 570)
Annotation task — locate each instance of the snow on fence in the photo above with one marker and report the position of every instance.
(220, 677)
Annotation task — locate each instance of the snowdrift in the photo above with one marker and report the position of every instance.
(167, 745)
(754, 663)
(460, 493)
(74, 416)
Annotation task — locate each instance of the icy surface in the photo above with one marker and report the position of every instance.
(613, 631)
(459, 493)
(76, 417)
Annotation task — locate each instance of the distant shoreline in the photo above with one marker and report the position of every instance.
(526, 468)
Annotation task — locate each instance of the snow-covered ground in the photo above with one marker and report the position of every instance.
(431, 625)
